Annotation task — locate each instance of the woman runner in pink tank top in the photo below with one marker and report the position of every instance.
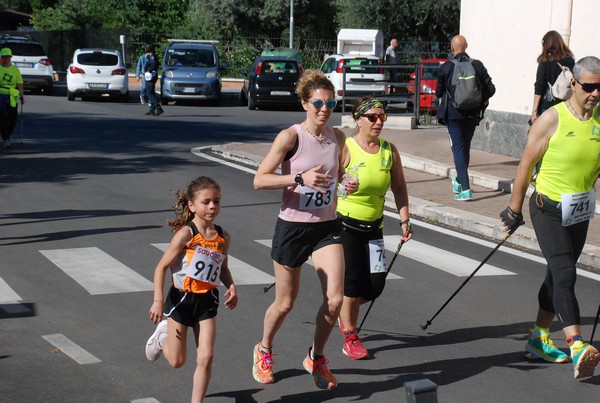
(309, 156)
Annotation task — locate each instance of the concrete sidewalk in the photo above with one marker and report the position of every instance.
(428, 163)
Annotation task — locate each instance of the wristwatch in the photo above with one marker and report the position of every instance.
(298, 179)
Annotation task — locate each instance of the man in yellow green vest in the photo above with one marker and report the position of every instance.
(11, 91)
(566, 140)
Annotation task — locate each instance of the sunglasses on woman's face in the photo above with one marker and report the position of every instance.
(374, 116)
(589, 87)
(318, 104)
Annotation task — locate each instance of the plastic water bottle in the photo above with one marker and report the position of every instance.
(351, 176)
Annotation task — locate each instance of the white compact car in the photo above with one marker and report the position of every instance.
(98, 72)
(29, 56)
(364, 76)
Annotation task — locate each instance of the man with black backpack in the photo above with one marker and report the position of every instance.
(464, 88)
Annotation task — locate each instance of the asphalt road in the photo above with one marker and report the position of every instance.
(84, 201)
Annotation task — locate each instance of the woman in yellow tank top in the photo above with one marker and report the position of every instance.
(376, 163)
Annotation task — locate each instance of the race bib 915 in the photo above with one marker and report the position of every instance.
(206, 266)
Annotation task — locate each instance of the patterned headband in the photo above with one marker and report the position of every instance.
(367, 104)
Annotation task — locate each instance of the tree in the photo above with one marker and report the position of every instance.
(260, 18)
(419, 20)
(160, 16)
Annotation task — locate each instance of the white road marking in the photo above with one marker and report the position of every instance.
(78, 354)
(7, 294)
(441, 259)
(242, 272)
(198, 151)
(268, 242)
(146, 400)
(97, 271)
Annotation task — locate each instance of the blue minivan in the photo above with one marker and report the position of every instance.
(191, 70)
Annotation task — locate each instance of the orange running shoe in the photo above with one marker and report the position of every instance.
(318, 369)
(262, 369)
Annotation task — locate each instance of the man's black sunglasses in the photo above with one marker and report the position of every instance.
(589, 87)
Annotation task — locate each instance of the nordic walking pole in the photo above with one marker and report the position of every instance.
(386, 273)
(595, 324)
(467, 280)
(21, 119)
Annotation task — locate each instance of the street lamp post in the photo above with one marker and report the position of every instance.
(291, 24)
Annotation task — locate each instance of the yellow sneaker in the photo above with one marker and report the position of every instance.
(262, 369)
(543, 347)
(585, 358)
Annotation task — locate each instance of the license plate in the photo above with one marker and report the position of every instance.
(189, 90)
(281, 93)
(97, 85)
(22, 64)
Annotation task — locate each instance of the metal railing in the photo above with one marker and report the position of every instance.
(402, 96)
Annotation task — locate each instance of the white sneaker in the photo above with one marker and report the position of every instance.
(153, 346)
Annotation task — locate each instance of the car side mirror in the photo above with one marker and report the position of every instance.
(244, 71)
(224, 66)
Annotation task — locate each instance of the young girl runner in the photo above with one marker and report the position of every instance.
(197, 256)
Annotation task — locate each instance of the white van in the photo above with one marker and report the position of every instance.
(360, 50)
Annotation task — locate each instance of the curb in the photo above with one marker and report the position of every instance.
(230, 95)
(438, 213)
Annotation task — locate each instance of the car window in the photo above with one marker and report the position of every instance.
(430, 71)
(190, 58)
(328, 66)
(97, 59)
(291, 68)
(280, 67)
(25, 49)
(362, 66)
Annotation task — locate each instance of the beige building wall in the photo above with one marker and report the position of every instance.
(506, 36)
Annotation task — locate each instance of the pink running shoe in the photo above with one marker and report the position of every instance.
(353, 347)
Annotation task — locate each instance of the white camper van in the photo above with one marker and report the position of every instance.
(362, 51)
(360, 42)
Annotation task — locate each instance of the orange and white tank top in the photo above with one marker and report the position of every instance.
(198, 267)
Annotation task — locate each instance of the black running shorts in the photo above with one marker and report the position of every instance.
(189, 308)
(358, 280)
(294, 242)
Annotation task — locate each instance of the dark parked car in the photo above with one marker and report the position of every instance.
(271, 81)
